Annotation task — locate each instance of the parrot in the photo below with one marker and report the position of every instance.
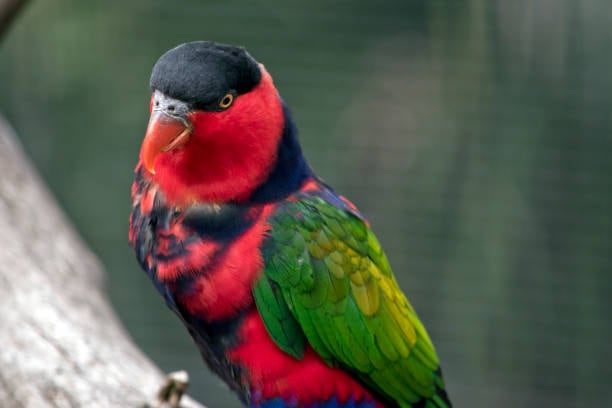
(279, 280)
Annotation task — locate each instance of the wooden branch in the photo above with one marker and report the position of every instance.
(8, 10)
(61, 343)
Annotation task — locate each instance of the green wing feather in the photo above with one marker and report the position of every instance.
(328, 281)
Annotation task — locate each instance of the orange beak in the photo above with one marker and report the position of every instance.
(164, 133)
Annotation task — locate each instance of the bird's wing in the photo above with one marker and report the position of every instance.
(328, 281)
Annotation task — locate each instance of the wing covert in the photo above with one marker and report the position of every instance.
(330, 273)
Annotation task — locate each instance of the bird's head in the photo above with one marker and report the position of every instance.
(215, 126)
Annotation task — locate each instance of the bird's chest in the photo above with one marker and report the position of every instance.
(206, 257)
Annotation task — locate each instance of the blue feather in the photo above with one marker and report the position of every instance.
(332, 403)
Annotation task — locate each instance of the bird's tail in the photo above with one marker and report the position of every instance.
(440, 398)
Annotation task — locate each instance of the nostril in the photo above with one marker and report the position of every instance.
(156, 103)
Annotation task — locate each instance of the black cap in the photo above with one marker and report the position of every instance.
(200, 73)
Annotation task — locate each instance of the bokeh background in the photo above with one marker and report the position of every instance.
(476, 135)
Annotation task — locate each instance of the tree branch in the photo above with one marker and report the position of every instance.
(8, 10)
(62, 345)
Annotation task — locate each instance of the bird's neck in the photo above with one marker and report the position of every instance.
(188, 177)
(290, 170)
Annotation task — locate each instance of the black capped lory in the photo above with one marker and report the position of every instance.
(279, 280)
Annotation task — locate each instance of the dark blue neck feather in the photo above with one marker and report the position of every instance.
(290, 170)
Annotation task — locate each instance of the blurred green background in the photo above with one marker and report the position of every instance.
(476, 136)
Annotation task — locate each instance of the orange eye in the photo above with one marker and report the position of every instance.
(226, 101)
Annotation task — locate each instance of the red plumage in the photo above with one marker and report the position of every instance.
(275, 372)
(226, 289)
(216, 168)
(211, 176)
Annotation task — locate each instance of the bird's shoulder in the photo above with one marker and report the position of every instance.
(327, 223)
(316, 197)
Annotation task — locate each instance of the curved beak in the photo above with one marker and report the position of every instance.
(164, 133)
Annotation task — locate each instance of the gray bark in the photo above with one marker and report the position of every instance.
(61, 345)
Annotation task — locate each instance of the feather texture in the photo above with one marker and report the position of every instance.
(327, 280)
(279, 280)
